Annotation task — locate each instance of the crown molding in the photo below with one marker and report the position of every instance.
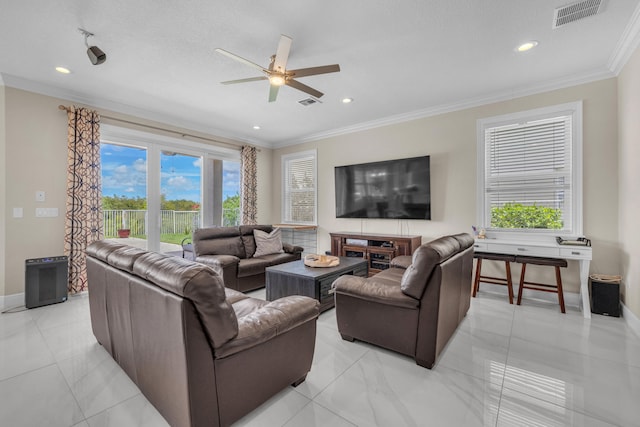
(561, 83)
(106, 104)
(628, 43)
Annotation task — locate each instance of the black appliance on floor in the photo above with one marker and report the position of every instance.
(45, 281)
(605, 295)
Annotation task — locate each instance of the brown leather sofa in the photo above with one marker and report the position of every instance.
(202, 354)
(229, 251)
(415, 306)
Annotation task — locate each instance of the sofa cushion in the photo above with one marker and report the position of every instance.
(268, 243)
(218, 241)
(252, 266)
(246, 231)
(275, 259)
(124, 258)
(101, 249)
(199, 284)
(383, 288)
(425, 258)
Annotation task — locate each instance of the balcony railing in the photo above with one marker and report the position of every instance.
(172, 222)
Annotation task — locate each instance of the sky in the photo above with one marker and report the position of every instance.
(124, 172)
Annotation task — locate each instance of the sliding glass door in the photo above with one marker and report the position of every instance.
(161, 190)
(180, 198)
(124, 193)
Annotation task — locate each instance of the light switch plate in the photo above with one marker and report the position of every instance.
(18, 213)
(46, 212)
(40, 196)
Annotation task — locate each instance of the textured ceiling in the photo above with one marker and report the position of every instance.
(398, 59)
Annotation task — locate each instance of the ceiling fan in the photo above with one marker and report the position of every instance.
(277, 73)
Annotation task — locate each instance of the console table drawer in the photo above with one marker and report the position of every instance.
(523, 250)
(480, 246)
(575, 252)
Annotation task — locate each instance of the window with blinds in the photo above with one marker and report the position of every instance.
(530, 180)
(299, 188)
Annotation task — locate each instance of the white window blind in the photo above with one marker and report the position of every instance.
(531, 176)
(299, 188)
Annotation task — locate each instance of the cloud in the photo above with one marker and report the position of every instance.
(140, 165)
(198, 163)
(130, 190)
(179, 181)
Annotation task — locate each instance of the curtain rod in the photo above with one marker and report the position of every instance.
(182, 134)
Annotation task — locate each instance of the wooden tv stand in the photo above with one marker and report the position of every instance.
(377, 249)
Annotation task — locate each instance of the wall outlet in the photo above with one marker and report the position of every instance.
(40, 196)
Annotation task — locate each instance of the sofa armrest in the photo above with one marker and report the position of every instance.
(291, 249)
(370, 289)
(218, 261)
(269, 321)
(225, 265)
(402, 261)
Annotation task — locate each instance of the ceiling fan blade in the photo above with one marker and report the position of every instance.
(250, 79)
(273, 92)
(240, 59)
(282, 54)
(304, 88)
(312, 71)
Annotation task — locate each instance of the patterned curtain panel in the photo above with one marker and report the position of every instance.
(83, 223)
(248, 185)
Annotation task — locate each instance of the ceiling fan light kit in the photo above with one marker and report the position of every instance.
(277, 73)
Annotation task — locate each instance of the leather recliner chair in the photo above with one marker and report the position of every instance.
(415, 306)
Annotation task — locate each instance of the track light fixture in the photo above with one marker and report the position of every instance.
(95, 54)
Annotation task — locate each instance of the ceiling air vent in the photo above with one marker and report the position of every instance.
(308, 101)
(576, 11)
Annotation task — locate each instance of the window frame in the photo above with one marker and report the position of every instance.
(483, 215)
(285, 161)
(154, 144)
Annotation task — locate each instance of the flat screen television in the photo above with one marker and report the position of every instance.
(394, 189)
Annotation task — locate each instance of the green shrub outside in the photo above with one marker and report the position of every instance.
(517, 215)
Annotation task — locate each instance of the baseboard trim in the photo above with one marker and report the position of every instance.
(571, 299)
(631, 319)
(11, 301)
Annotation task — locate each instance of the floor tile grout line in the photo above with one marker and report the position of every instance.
(506, 364)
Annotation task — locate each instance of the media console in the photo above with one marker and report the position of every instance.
(377, 249)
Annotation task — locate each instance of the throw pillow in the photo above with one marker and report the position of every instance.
(268, 243)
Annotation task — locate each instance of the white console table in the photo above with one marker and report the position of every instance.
(582, 254)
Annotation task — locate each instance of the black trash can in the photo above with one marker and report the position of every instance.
(605, 294)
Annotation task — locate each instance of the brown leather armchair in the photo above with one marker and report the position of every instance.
(415, 306)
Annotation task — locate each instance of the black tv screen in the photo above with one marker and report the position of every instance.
(395, 189)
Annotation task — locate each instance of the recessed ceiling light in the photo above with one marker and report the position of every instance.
(347, 100)
(527, 46)
(63, 70)
(256, 127)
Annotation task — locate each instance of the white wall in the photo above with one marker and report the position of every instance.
(3, 187)
(450, 140)
(629, 177)
(36, 159)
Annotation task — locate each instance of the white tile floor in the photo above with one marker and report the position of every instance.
(505, 366)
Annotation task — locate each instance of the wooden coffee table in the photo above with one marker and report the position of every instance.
(295, 278)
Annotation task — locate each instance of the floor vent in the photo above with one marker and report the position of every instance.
(576, 11)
